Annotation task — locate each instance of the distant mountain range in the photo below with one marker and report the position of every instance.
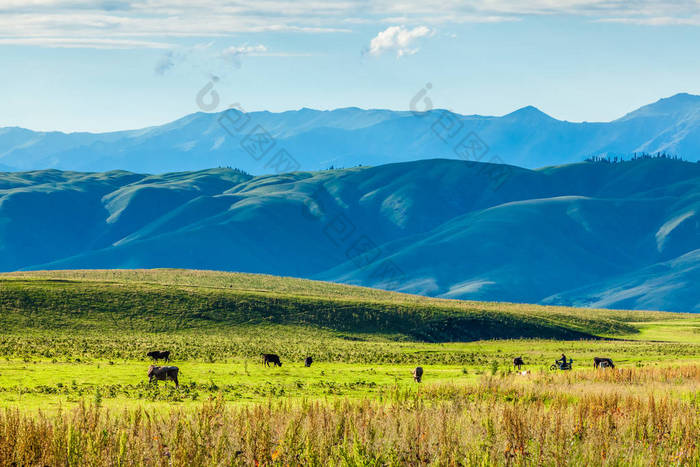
(264, 142)
(623, 235)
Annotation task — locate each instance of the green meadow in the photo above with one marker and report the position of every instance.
(83, 335)
(73, 353)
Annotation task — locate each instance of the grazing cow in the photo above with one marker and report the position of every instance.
(307, 362)
(602, 362)
(518, 362)
(418, 374)
(163, 373)
(157, 355)
(268, 358)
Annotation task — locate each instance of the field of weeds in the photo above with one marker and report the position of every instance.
(638, 416)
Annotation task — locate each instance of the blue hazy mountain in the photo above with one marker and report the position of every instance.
(596, 234)
(349, 137)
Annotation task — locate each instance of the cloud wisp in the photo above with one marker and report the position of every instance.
(234, 53)
(86, 42)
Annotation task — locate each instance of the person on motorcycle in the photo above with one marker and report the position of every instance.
(563, 361)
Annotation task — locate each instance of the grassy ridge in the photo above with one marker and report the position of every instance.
(178, 300)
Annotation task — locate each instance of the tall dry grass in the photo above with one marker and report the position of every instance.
(501, 421)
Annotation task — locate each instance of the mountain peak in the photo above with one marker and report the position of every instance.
(681, 97)
(528, 111)
(678, 104)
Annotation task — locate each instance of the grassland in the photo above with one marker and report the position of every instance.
(73, 374)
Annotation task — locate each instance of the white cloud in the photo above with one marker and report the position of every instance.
(398, 39)
(655, 21)
(235, 52)
(82, 43)
(127, 23)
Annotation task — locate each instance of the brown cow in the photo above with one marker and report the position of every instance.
(163, 373)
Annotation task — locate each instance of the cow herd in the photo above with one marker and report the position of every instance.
(170, 373)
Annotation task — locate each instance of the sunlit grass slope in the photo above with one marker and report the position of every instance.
(184, 300)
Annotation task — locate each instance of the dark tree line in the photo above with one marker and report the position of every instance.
(235, 170)
(635, 157)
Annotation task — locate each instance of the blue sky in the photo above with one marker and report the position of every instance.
(75, 65)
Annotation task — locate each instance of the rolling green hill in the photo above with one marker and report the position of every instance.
(172, 300)
(590, 234)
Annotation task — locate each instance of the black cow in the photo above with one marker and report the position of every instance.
(418, 374)
(268, 358)
(158, 355)
(518, 362)
(602, 362)
(163, 373)
(307, 362)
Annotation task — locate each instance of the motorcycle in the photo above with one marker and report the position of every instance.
(562, 366)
